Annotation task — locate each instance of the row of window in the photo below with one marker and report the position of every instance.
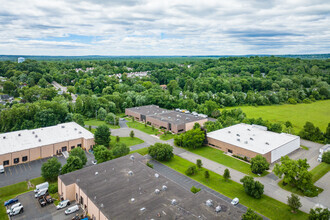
(15, 161)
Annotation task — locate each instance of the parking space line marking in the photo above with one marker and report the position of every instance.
(29, 165)
(24, 166)
(15, 169)
(10, 171)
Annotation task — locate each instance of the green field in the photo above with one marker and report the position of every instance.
(219, 157)
(316, 112)
(266, 205)
(12, 191)
(126, 140)
(140, 126)
(319, 171)
(166, 137)
(96, 122)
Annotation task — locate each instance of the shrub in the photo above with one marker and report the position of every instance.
(150, 165)
(326, 157)
(162, 152)
(52, 188)
(259, 164)
(251, 187)
(192, 170)
(195, 190)
(199, 163)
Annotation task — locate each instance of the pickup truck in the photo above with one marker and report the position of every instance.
(42, 202)
(48, 198)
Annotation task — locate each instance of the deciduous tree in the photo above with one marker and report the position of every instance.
(51, 169)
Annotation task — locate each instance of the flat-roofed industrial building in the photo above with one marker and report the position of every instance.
(174, 121)
(125, 188)
(250, 140)
(27, 145)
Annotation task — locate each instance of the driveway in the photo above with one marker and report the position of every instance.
(24, 171)
(33, 210)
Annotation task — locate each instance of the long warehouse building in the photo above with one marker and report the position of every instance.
(174, 121)
(27, 145)
(250, 140)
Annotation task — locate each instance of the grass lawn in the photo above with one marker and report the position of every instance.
(219, 157)
(142, 127)
(319, 171)
(142, 151)
(295, 190)
(316, 112)
(121, 115)
(304, 147)
(266, 206)
(96, 122)
(166, 137)
(12, 191)
(126, 140)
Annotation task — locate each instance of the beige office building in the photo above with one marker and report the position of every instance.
(27, 145)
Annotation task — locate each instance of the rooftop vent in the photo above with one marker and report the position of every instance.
(39, 140)
(102, 206)
(4, 137)
(156, 175)
(157, 191)
(251, 139)
(249, 129)
(209, 202)
(142, 209)
(32, 132)
(96, 173)
(62, 126)
(36, 136)
(132, 157)
(229, 132)
(238, 139)
(132, 200)
(267, 143)
(218, 209)
(130, 173)
(75, 129)
(79, 132)
(238, 135)
(164, 188)
(174, 202)
(19, 134)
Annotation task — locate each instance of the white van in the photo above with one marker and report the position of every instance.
(13, 207)
(71, 210)
(63, 204)
(41, 186)
(42, 192)
(2, 169)
(17, 210)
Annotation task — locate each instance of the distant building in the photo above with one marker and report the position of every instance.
(250, 140)
(125, 188)
(174, 121)
(20, 59)
(27, 145)
(164, 87)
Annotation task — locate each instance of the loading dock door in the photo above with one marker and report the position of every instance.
(64, 148)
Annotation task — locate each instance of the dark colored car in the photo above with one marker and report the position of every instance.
(42, 202)
(48, 198)
(11, 201)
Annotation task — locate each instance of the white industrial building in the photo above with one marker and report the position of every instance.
(250, 140)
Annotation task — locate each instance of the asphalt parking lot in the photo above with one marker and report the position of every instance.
(33, 210)
(24, 171)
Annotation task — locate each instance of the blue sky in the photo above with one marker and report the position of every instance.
(157, 27)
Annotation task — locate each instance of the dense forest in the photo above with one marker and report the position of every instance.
(202, 85)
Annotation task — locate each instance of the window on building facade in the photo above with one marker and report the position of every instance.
(78, 145)
(72, 147)
(230, 151)
(76, 197)
(6, 162)
(16, 160)
(81, 200)
(25, 158)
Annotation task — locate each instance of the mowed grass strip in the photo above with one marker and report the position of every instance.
(316, 112)
(319, 171)
(140, 126)
(126, 140)
(96, 122)
(266, 205)
(219, 157)
(142, 151)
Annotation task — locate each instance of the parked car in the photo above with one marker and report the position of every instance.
(17, 210)
(41, 186)
(2, 169)
(71, 209)
(48, 198)
(42, 202)
(63, 204)
(13, 207)
(11, 201)
(42, 192)
(235, 201)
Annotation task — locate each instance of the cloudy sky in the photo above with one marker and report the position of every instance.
(164, 27)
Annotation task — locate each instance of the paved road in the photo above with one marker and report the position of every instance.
(187, 182)
(24, 171)
(64, 89)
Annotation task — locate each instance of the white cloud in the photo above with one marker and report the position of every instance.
(151, 27)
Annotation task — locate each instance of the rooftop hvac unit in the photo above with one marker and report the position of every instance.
(142, 209)
(164, 188)
(132, 199)
(156, 175)
(96, 173)
(218, 209)
(130, 173)
(174, 202)
(157, 191)
(132, 157)
(209, 202)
